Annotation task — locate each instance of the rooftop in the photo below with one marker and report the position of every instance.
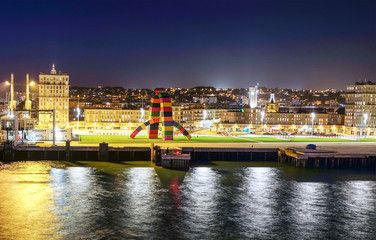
(365, 83)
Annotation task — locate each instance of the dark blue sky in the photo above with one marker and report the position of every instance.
(292, 44)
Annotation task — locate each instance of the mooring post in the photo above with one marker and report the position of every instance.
(67, 150)
(54, 128)
(158, 156)
(103, 152)
(152, 152)
(8, 151)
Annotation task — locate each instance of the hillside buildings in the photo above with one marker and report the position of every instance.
(117, 110)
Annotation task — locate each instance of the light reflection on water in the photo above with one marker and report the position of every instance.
(361, 208)
(26, 202)
(140, 201)
(201, 202)
(45, 200)
(258, 201)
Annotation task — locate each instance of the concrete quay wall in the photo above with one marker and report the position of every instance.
(104, 152)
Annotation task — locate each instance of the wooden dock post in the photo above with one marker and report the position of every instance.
(8, 151)
(67, 151)
(103, 152)
(152, 152)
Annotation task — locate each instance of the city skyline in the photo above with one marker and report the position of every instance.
(188, 119)
(300, 45)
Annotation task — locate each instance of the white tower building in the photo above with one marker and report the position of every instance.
(253, 92)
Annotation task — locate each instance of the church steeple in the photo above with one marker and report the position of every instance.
(272, 100)
(273, 106)
(53, 70)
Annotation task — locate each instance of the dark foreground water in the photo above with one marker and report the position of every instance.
(87, 200)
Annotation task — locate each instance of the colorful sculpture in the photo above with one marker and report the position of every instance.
(161, 111)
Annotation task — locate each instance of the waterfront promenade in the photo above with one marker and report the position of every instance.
(341, 147)
(357, 155)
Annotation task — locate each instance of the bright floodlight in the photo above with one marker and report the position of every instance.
(32, 83)
(365, 118)
(7, 83)
(313, 116)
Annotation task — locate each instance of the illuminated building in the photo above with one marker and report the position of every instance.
(273, 106)
(275, 119)
(115, 119)
(54, 94)
(361, 102)
(253, 92)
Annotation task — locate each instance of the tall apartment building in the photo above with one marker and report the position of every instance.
(54, 94)
(360, 106)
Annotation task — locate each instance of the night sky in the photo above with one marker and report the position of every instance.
(148, 44)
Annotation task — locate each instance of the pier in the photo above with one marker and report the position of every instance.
(205, 154)
(299, 157)
(312, 158)
(74, 153)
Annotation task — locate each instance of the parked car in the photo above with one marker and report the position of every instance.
(311, 146)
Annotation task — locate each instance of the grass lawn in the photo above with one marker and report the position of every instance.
(308, 139)
(207, 139)
(264, 139)
(367, 139)
(143, 139)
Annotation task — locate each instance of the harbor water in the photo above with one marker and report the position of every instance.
(223, 200)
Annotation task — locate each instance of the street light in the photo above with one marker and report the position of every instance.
(313, 118)
(78, 111)
(142, 114)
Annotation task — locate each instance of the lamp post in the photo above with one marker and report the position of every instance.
(78, 111)
(365, 116)
(313, 118)
(262, 120)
